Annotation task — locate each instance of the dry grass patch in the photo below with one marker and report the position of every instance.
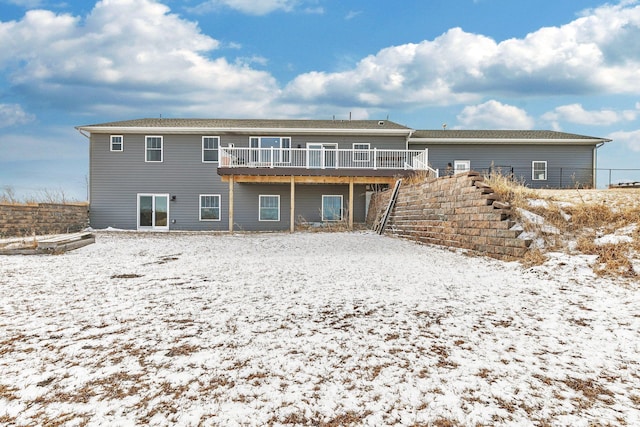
(182, 350)
(417, 177)
(347, 419)
(534, 257)
(510, 190)
(590, 389)
(577, 215)
(444, 422)
(8, 392)
(613, 259)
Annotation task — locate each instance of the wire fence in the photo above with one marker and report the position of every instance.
(569, 177)
(610, 177)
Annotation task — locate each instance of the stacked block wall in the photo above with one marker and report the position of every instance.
(459, 211)
(42, 218)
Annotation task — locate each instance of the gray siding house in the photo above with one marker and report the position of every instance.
(208, 174)
(535, 158)
(269, 175)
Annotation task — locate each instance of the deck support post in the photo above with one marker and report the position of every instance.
(231, 203)
(350, 203)
(293, 205)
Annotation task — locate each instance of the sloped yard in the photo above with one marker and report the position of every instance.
(312, 329)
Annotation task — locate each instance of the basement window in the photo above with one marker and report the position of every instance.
(209, 207)
(269, 208)
(332, 208)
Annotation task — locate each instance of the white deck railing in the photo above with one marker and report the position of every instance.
(324, 158)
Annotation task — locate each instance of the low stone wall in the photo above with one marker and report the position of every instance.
(42, 218)
(459, 211)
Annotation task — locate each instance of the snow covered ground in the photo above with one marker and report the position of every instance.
(311, 329)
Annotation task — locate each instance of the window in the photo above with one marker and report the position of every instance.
(361, 151)
(539, 170)
(209, 207)
(154, 149)
(280, 144)
(461, 166)
(269, 208)
(116, 143)
(210, 148)
(331, 208)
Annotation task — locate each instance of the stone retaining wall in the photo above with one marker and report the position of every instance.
(459, 211)
(42, 218)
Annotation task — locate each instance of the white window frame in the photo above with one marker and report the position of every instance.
(319, 152)
(341, 207)
(533, 170)
(285, 152)
(154, 227)
(261, 196)
(204, 149)
(361, 154)
(112, 142)
(146, 149)
(209, 207)
(465, 163)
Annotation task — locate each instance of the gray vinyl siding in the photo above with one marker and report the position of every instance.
(567, 166)
(116, 179)
(344, 142)
(309, 201)
(246, 207)
(308, 204)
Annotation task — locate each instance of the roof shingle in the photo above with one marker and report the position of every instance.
(500, 134)
(253, 123)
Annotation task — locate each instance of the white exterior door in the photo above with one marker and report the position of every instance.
(153, 212)
(461, 166)
(322, 155)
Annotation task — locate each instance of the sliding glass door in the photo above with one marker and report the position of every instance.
(153, 212)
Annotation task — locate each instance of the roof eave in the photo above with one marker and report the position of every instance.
(474, 141)
(239, 130)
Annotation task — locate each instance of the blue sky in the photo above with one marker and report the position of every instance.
(569, 65)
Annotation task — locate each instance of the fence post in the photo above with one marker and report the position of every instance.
(560, 177)
(375, 158)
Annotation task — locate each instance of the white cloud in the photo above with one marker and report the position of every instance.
(596, 53)
(255, 59)
(314, 10)
(13, 114)
(352, 14)
(575, 113)
(630, 139)
(135, 54)
(62, 143)
(130, 53)
(495, 115)
(409, 74)
(250, 7)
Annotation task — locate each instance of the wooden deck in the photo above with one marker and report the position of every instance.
(55, 244)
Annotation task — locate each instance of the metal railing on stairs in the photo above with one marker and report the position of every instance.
(392, 201)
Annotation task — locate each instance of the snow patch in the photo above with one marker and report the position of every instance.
(311, 328)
